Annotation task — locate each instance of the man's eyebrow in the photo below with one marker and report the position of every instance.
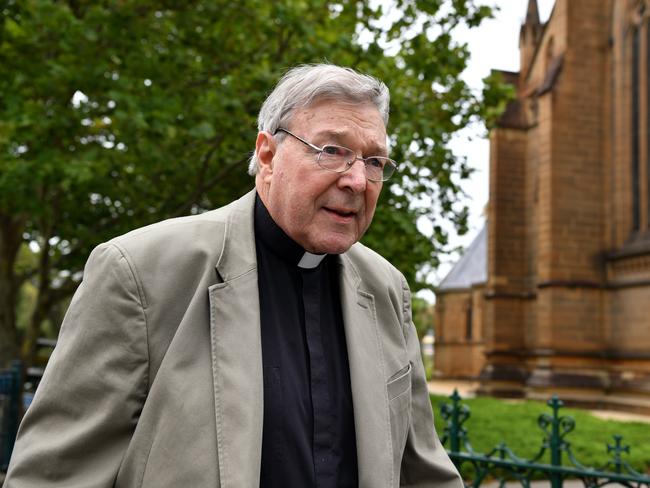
(341, 137)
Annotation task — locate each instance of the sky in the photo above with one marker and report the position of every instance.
(493, 45)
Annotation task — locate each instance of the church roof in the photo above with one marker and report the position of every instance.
(471, 268)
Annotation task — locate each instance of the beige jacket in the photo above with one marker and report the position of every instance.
(156, 380)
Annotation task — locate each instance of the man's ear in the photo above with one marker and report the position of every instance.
(265, 148)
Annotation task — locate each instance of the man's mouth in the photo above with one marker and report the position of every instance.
(341, 212)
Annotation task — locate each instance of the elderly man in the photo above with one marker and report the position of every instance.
(255, 345)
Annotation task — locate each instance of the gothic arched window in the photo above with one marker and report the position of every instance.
(635, 102)
(647, 119)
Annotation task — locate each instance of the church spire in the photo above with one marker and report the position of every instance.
(532, 13)
(529, 36)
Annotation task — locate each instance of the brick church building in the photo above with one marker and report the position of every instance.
(554, 294)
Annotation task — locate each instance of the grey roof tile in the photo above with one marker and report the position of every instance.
(471, 268)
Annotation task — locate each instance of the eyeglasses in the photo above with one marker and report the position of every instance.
(340, 159)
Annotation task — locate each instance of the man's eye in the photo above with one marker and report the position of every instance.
(376, 162)
(334, 151)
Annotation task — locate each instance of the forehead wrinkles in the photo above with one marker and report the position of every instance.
(362, 138)
(341, 123)
(364, 115)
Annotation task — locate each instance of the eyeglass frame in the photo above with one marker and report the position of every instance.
(348, 164)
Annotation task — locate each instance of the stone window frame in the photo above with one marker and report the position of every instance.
(635, 125)
(638, 114)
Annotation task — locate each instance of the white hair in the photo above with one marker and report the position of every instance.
(305, 84)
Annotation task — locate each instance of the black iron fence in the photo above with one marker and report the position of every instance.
(10, 408)
(502, 465)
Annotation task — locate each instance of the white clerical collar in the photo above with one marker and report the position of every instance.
(310, 261)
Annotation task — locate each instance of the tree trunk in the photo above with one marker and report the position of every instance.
(10, 239)
(42, 306)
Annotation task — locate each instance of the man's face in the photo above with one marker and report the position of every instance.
(323, 211)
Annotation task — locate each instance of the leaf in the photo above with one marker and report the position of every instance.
(204, 130)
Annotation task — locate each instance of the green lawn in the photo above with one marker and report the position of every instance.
(492, 421)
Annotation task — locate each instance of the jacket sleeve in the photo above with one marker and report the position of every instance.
(87, 405)
(425, 462)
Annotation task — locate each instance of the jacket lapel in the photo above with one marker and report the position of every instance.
(369, 394)
(237, 352)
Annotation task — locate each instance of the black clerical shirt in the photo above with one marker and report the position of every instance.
(308, 434)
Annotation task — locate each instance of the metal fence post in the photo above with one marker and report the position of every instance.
(454, 431)
(10, 410)
(618, 448)
(555, 441)
(15, 406)
(5, 420)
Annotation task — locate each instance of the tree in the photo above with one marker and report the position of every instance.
(423, 317)
(118, 113)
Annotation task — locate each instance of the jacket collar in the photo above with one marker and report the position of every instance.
(237, 256)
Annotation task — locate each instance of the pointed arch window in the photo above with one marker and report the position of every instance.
(635, 122)
(647, 120)
(469, 321)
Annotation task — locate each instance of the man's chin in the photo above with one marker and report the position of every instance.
(332, 246)
(336, 244)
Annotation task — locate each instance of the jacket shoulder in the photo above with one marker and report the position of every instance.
(373, 267)
(185, 238)
(179, 229)
(381, 279)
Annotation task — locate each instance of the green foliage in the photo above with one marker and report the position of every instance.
(515, 422)
(25, 307)
(423, 316)
(496, 95)
(118, 113)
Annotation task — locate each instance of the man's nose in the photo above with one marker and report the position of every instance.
(355, 177)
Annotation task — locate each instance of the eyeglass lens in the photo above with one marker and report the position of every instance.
(337, 158)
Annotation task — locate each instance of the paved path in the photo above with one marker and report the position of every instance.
(466, 389)
(542, 484)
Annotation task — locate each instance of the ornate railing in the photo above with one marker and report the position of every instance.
(502, 465)
(10, 406)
